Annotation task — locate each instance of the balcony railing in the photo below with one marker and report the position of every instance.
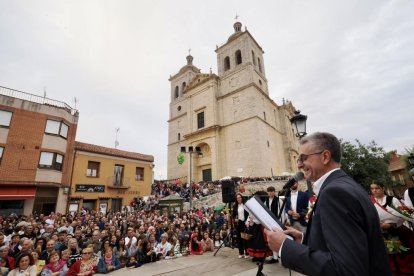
(36, 99)
(122, 183)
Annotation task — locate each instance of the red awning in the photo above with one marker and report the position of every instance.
(17, 193)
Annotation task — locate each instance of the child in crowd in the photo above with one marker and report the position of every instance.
(184, 251)
(3, 269)
(132, 263)
(217, 241)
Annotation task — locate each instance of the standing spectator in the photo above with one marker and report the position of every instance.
(272, 203)
(240, 215)
(297, 208)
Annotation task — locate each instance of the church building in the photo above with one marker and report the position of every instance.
(229, 118)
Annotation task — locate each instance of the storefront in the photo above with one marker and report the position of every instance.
(17, 200)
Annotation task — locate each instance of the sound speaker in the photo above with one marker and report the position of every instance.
(228, 191)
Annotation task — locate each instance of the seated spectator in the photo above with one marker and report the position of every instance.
(4, 270)
(196, 247)
(38, 263)
(85, 266)
(217, 240)
(132, 263)
(55, 267)
(163, 247)
(4, 251)
(24, 266)
(108, 262)
(207, 242)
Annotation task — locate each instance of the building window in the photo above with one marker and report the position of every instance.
(51, 160)
(1, 153)
(268, 144)
(118, 175)
(200, 120)
(57, 128)
(260, 64)
(238, 57)
(253, 58)
(264, 116)
(93, 169)
(179, 108)
(226, 63)
(176, 93)
(183, 86)
(139, 174)
(179, 136)
(5, 118)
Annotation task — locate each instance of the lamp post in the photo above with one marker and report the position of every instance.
(299, 123)
(191, 151)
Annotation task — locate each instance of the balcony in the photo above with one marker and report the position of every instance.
(118, 183)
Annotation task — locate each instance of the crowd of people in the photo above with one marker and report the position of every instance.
(89, 242)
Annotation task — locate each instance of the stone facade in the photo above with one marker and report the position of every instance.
(241, 131)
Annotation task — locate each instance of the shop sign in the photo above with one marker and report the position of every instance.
(90, 188)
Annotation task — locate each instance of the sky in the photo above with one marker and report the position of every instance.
(347, 65)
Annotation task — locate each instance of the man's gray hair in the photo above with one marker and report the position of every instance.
(324, 141)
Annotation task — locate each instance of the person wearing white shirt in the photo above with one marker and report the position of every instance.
(163, 247)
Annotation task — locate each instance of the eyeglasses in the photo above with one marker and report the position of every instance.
(303, 157)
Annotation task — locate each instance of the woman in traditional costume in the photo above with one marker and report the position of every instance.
(399, 239)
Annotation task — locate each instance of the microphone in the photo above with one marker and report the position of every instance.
(297, 177)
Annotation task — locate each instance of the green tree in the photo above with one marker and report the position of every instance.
(365, 163)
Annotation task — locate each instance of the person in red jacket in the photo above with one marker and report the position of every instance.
(85, 266)
(196, 247)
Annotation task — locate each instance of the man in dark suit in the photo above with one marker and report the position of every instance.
(343, 235)
(297, 208)
(272, 203)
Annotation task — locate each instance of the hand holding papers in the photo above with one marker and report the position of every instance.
(257, 209)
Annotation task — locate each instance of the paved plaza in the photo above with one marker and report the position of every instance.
(225, 262)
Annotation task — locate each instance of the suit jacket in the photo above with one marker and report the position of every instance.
(301, 207)
(343, 235)
(274, 207)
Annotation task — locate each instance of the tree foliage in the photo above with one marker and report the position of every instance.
(365, 163)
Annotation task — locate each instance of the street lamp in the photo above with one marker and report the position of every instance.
(299, 122)
(191, 151)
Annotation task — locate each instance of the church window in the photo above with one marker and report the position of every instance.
(200, 120)
(264, 115)
(176, 93)
(260, 82)
(238, 57)
(260, 64)
(179, 137)
(253, 58)
(226, 63)
(268, 144)
(179, 108)
(183, 86)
